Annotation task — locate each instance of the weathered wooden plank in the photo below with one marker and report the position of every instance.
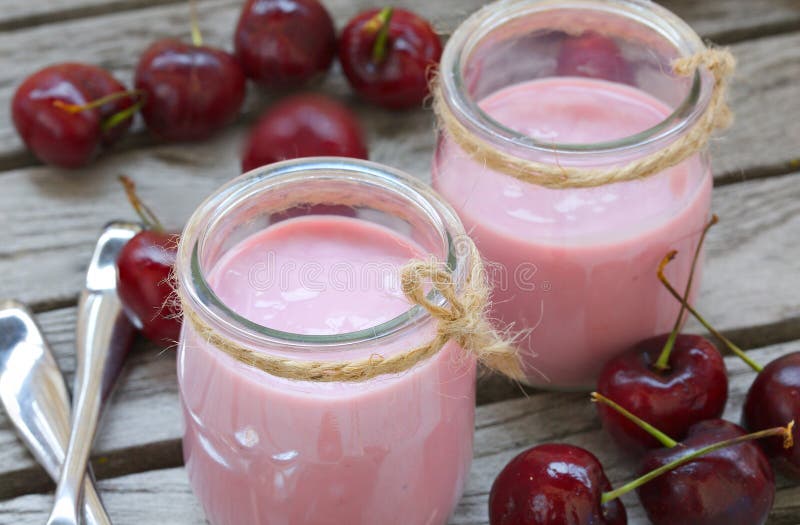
(502, 431)
(734, 20)
(766, 133)
(164, 497)
(18, 14)
(765, 138)
(724, 20)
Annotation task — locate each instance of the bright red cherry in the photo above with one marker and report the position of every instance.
(553, 484)
(191, 91)
(595, 56)
(304, 126)
(144, 277)
(67, 113)
(388, 56)
(693, 389)
(775, 396)
(671, 381)
(731, 486)
(284, 43)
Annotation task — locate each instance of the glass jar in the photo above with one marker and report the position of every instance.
(260, 449)
(583, 83)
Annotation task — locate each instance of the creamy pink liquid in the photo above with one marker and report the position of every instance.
(575, 269)
(263, 450)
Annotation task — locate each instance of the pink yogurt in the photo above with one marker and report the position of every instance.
(261, 450)
(575, 269)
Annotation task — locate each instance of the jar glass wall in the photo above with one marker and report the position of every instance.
(583, 83)
(261, 449)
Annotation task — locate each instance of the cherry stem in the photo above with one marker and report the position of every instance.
(728, 343)
(662, 363)
(786, 432)
(111, 97)
(149, 218)
(379, 48)
(662, 438)
(197, 37)
(120, 116)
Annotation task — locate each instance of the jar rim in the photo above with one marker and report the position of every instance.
(657, 18)
(196, 289)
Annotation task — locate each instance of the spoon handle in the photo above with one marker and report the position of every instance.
(35, 397)
(101, 327)
(102, 338)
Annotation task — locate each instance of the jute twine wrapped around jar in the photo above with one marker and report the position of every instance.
(717, 115)
(462, 320)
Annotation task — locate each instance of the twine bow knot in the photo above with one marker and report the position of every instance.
(462, 319)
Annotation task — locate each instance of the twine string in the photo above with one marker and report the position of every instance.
(717, 115)
(462, 319)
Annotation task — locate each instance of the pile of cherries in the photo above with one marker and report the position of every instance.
(67, 113)
(662, 401)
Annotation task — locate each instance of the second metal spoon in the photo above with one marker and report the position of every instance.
(102, 338)
(35, 397)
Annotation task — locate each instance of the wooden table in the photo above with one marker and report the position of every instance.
(50, 221)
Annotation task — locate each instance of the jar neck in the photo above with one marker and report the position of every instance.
(650, 37)
(251, 202)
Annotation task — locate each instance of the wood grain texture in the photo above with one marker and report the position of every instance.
(722, 20)
(769, 113)
(502, 431)
(20, 14)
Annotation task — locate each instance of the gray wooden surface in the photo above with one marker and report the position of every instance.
(50, 220)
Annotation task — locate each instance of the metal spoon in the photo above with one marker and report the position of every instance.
(35, 398)
(103, 335)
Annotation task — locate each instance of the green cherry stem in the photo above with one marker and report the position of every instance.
(662, 438)
(120, 116)
(728, 343)
(786, 432)
(149, 218)
(197, 37)
(380, 46)
(662, 363)
(77, 108)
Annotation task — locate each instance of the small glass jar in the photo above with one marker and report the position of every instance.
(579, 83)
(260, 449)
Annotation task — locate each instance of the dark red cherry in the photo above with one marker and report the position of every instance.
(191, 91)
(595, 56)
(144, 285)
(775, 396)
(693, 389)
(731, 486)
(47, 113)
(307, 125)
(144, 277)
(553, 484)
(388, 56)
(671, 381)
(284, 43)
